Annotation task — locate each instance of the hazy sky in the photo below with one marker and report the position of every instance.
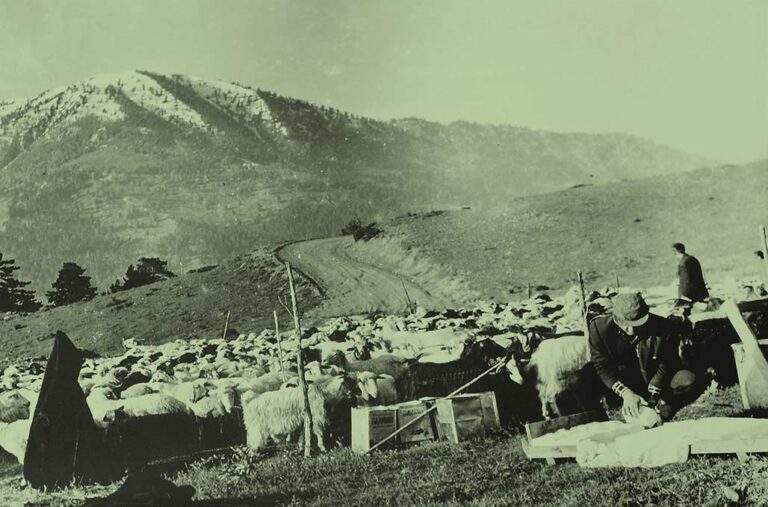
(691, 74)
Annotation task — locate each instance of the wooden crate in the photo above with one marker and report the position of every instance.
(371, 425)
(461, 417)
(420, 431)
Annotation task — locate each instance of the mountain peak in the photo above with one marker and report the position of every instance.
(183, 101)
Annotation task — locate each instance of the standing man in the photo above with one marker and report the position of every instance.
(691, 286)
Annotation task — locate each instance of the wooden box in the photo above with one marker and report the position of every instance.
(370, 425)
(418, 432)
(491, 419)
(461, 417)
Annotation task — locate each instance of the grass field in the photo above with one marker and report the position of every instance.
(491, 471)
(623, 229)
(194, 305)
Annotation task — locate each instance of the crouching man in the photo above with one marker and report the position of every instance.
(634, 362)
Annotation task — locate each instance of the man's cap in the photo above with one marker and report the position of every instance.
(630, 309)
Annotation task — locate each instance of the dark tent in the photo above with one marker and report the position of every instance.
(63, 439)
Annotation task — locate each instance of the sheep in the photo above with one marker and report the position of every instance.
(280, 413)
(551, 364)
(217, 403)
(250, 389)
(388, 364)
(187, 392)
(101, 402)
(375, 389)
(13, 406)
(136, 390)
(151, 404)
(13, 437)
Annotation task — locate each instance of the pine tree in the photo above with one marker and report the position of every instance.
(71, 286)
(14, 297)
(148, 270)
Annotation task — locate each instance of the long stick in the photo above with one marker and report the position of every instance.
(300, 366)
(434, 407)
(226, 327)
(764, 246)
(279, 341)
(584, 320)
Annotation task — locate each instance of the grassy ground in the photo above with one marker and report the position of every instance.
(194, 305)
(623, 229)
(490, 471)
(493, 471)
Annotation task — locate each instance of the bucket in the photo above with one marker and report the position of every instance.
(754, 388)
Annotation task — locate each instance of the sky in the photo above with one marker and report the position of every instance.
(692, 74)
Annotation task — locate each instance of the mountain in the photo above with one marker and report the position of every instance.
(135, 164)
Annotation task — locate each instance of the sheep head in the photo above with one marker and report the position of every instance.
(366, 383)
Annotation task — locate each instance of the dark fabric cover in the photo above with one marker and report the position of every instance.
(691, 279)
(63, 439)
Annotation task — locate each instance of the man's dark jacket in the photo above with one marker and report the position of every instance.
(651, 362)
(691, 279)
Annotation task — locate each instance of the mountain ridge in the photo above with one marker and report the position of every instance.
(119, 166)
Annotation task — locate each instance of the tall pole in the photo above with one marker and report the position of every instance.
(300, 366)
(764, 247)
(584, 320)
(279, 341)
(226, 326)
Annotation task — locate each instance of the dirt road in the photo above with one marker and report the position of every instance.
(350, 284)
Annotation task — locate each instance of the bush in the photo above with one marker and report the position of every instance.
(147, 271)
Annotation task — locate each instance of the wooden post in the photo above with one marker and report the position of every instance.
(279, 341)
(300, 366)
(618, 285)
(529, 290)
(226, 326)
(764, 248)
(584, 320)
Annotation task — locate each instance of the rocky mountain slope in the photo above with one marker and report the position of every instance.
(120, 166)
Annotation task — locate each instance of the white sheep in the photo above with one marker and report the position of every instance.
(279, 414)
(252, 388)
(101, 401)
(187, 392)
(218, 403)
(13, 406)
(13, 437)
(152, 404)
(375, 389)
(137, 390)
(553, 361)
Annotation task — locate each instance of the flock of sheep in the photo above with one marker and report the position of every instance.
(209, 393)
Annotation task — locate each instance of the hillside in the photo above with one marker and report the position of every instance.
(121, 166)
(191, 306)
(623, 229)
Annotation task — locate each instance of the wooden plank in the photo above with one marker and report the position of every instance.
(537, 429)
(751, 346)
(731, 446)
(548, 451)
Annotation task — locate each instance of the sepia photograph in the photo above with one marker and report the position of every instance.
(383, 253)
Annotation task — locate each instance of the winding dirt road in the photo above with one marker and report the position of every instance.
(352, 286)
